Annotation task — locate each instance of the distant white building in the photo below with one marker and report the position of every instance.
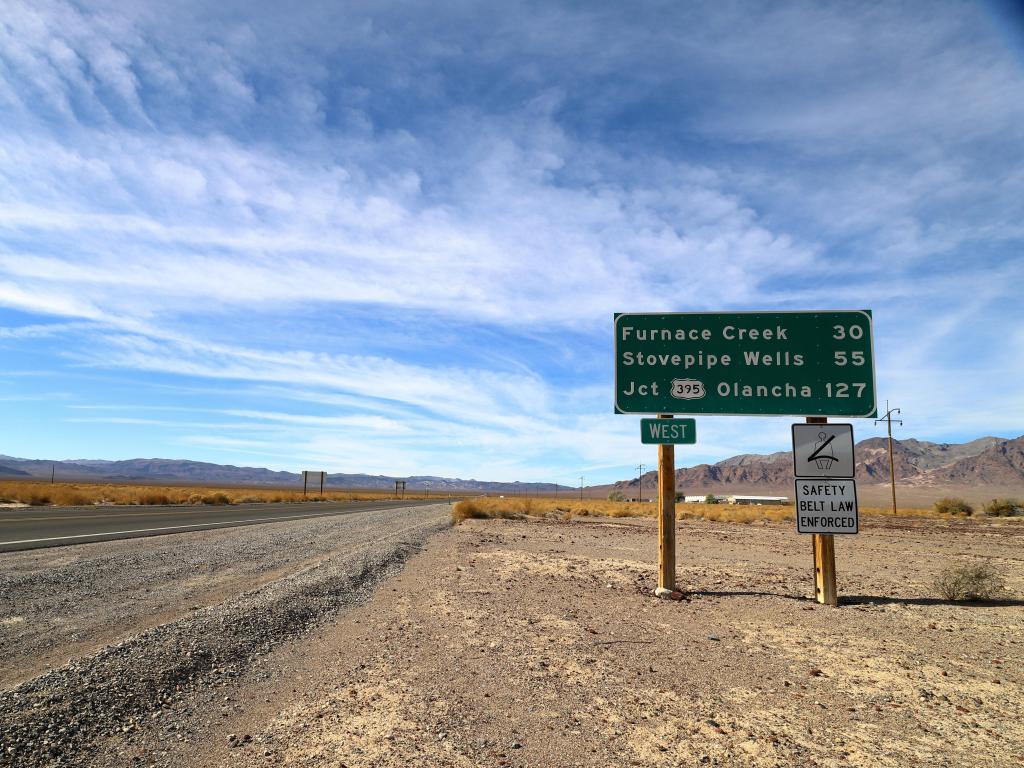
(759, 500)
(737, 499)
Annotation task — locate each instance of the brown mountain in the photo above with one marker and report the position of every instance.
(873, 459)
(988, 460)
(999, 465)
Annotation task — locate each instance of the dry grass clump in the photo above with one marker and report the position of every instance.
(154, 498)
(1004, 507)
(216, 499)
(472, 509)
(954, 506)
(969, 583)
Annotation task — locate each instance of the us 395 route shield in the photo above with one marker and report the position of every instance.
(746, 363)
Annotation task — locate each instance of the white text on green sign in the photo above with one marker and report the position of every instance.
(668, 431)
(746, 363)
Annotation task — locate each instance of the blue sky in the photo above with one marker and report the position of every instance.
(390, 237)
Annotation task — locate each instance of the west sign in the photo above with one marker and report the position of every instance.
(668, 431)
(746, 363)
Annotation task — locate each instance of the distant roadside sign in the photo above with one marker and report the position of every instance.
(746, 363)
(826, 506)
(823, 450)
(668, 431)
(313, 481)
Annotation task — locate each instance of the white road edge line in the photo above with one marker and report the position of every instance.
(167, 528)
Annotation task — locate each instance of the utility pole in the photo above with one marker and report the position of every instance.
(640, 481)
(888, 419)
(581, 487)
(53, 472)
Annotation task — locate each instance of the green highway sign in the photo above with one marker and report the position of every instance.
(746, 363)
(668, 431)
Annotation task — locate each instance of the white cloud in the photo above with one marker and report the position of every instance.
(177, 181)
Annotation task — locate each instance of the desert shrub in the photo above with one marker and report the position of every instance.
(710, 499)
(466, 510)
(154, 498)
(216, 499)
(953, 506)
(615, 496)
(37, 499)
(1004, 507)
(980, 581)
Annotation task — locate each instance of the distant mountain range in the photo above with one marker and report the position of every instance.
(174, 471)
(990, 461)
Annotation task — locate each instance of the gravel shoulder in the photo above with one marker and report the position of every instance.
(67, 602)
(223, 600)
(538, 644)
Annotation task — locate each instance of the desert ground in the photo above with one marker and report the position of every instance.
(537, 642)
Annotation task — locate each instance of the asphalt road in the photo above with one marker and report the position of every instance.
(36, 527)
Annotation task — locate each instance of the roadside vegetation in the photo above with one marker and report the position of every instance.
(971, 583)
(953, 506)
(1004, 507)
(39, 494)
(566, 509)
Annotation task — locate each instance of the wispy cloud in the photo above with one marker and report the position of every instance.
(398, 233)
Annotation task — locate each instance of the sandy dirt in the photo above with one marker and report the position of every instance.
(538, 643)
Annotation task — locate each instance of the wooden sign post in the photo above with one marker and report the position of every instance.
(825, 591)
(666, 518)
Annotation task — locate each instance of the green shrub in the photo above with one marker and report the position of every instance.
(615, 496)
(970, 582)
(711, 499)
(1004, 507)
(953, 506)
